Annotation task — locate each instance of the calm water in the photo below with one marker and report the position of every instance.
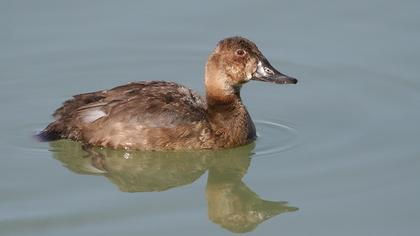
(341, 147)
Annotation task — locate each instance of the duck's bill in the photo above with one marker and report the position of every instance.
(267, 73)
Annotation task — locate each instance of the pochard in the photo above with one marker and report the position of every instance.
(160, 115)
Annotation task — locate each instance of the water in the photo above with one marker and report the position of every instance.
(341, 147)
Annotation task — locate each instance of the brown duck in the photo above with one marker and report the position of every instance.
(160, 115)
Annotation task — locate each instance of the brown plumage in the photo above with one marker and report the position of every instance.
(159, 115)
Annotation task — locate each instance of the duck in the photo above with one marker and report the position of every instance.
(162, 115)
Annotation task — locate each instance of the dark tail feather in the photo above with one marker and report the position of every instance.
(47, 135)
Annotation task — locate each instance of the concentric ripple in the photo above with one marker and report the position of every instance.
(274, 138)
(24, 138)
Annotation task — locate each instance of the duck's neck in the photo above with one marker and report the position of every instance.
(230, 122)
(228, 117)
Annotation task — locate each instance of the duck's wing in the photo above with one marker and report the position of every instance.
(153, 104)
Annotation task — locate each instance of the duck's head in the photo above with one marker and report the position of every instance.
(235, 61)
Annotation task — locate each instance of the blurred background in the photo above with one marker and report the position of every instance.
(341, 146)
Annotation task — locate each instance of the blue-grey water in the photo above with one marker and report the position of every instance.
(341, 147)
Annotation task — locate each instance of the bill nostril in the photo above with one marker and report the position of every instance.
(268, 70)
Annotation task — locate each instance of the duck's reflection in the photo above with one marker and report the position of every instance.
(231, 203)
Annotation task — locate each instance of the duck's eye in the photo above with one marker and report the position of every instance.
(240, 52)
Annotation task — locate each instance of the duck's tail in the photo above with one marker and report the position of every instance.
(48, 134)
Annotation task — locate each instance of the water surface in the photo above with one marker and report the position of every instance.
(341, 147)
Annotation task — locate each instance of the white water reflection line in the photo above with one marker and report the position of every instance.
(24, 138)
(274, 138)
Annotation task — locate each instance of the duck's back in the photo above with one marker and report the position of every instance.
(141, 115)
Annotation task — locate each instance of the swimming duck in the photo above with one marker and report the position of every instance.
(160, 115)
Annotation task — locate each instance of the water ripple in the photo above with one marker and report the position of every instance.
(24, 139)
(274, 138)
